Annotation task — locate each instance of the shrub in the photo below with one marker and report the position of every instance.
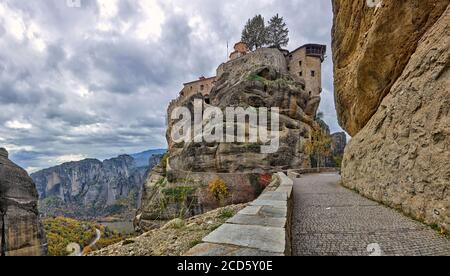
(195, 243)
(338, 160)
(174, 224)
(265, 179)
(218, 189)
(178, 194)
(226, 213)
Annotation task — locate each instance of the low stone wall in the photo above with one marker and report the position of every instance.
(293, 174)
(261, 229)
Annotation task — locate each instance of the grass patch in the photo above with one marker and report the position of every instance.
(195, 243)
(226, 214)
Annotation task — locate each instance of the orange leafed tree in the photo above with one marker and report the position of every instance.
(318, 145)
(218, 189)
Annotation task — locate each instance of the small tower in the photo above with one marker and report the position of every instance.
(240, 49)
(305, 63)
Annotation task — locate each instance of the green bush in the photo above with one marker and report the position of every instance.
(227, 213)
(178, 194)
(63, 231)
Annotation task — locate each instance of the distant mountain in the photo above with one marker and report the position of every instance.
(142, 158)
(92, 189)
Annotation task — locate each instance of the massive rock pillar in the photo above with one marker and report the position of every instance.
(393, 95)
(22, 233)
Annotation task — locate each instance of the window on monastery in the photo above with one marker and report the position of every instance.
(313, 73)
(202, 87)
(300, 74)
(300, 63)
(289, 68)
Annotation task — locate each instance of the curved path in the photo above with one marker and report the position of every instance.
(98, 236)
(330, 220)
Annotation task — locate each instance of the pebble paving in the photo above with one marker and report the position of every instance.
(330, 220)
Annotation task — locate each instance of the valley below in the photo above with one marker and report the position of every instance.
(93, 190)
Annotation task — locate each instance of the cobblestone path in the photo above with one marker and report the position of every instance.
(330, 220)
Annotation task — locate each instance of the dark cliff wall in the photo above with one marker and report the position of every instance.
(21, 231)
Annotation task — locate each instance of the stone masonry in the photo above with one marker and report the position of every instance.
(304, 65)
(331, 220)
(261, 229)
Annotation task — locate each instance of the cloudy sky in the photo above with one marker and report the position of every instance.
(95, 81)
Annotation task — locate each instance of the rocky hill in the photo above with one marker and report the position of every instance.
(142, 158)
(392, 82)
(91, 188)
(181, 184)
(338, 144)
(21, 231)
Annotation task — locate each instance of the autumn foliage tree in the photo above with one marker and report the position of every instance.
(318, 145)
(219, 190)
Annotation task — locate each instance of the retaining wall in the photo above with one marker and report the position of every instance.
(261, 229)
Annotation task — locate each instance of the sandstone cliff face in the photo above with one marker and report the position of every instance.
(338, 144)
(91, 188)
(371, 47)
(21, 231)
(401, 156)
(259, 79)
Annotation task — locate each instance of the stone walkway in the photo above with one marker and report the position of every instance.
(330, 220)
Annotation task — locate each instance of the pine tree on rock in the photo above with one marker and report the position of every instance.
(255, 33)
(277, 32)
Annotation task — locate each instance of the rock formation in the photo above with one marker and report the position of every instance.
(258, 79)
(371, 48)
(338, 144)
(142, 158)
(22, 233)
(91, 188)
(392, 82)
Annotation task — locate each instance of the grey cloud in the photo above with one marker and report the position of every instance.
(127, 83)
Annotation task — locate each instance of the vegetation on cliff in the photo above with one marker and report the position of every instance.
(63, 231)
(92, 189)
(176, 238)
(256, 34)
(318, 145)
